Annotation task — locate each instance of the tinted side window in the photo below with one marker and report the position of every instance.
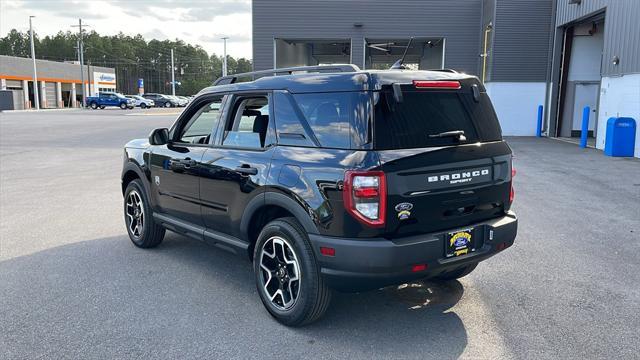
(289, 127)
(248, 125)
(338, 120)
(199, 128)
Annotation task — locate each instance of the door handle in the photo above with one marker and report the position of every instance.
(247, 170)
(176, 165)
(181, 164)
(187, 163)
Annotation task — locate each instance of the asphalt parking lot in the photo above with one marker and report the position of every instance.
(73, 286)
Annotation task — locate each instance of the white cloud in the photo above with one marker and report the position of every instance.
(198, 22)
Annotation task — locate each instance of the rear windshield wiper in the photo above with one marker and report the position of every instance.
(458, 134)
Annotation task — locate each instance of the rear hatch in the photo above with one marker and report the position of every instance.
(441, 149)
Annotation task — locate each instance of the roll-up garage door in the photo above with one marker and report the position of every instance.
(51, 95)
(18, 99)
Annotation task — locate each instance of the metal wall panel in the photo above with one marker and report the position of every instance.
(521, 40)
(622, 38)
(570, 12)
(621, 31)
(458, 21)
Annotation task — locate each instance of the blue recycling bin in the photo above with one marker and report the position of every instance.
(621, 137)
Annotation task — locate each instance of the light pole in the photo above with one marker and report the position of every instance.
(36, 97)
(81, 58)
(224, 58)
(173, 77)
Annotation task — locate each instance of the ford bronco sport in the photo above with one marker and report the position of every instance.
(330, 178)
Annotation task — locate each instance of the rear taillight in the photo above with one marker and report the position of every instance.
(436, 84)
(512, 193)
(365, 196)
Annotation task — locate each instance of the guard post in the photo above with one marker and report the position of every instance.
(585, 127)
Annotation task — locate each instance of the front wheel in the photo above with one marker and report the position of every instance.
(141, 227)
(123, 106)
(143, 106)
(287, 275)
(167, 104)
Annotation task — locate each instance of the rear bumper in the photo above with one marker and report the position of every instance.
(361, 264)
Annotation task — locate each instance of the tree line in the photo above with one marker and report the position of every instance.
(133, 58)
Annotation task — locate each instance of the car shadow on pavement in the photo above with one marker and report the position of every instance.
(110, 294)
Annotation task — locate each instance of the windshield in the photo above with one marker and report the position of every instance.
(424, 118)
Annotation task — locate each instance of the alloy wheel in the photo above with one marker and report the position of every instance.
(279, 272)
(135, 214)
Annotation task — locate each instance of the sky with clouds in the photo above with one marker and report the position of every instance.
(198, 22)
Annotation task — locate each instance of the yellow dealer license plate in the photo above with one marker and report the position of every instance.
(459, 243)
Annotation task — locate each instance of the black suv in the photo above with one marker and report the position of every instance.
(330, 178)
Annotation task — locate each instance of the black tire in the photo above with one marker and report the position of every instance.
(167, 104)
(143, 105)
(151, 234)
(102, 107)
(457, 273)
(313, 295)
(93, 105)
(123, 106)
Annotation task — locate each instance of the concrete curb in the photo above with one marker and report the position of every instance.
(41, 110)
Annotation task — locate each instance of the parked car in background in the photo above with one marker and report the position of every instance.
(178, 100)
(185, 99)
(141, 102)
(105, 99)
(161, 100)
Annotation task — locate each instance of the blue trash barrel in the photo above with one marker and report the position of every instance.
(621, 136)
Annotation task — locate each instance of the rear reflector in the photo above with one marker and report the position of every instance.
(327, 251)
(436, 84)
(419, 267)
(512, 193)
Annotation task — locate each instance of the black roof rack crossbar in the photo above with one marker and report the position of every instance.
(230, 79)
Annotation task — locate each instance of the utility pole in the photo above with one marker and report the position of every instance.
(173, 77)
(36, 97)
(224, 59)
(81, 57)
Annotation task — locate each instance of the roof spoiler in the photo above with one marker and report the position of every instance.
(444, 70)
(230, 79)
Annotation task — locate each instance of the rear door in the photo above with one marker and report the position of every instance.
(236, 168)
(437, 179)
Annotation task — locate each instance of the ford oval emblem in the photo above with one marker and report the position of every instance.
(405, 206)
(460, 242)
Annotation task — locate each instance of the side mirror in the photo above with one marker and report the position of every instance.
(159, 136)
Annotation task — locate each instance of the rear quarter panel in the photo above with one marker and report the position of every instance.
(313, 177)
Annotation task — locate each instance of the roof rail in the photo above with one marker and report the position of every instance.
(230, 79)
(444, 70)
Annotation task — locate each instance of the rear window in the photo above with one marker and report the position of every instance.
(422, 113)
